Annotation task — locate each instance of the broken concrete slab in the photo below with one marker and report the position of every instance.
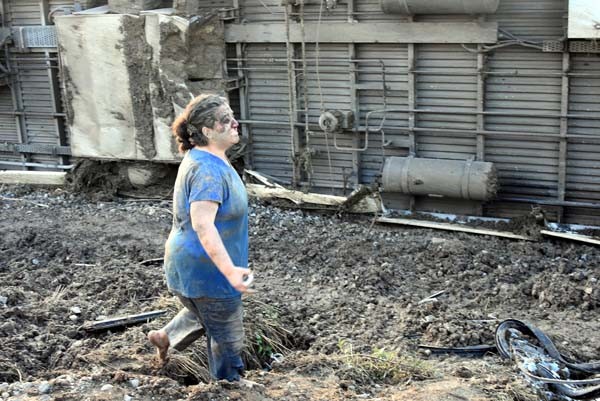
(133, 6)
(187, 7)
(180, 73)
(33, 177)
(123, 88)
(107, 108)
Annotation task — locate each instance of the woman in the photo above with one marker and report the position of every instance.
(207, 251)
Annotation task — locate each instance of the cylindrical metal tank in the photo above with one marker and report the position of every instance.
(452, 178)
(411, 7)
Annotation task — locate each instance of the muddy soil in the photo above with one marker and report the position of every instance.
(345, 291)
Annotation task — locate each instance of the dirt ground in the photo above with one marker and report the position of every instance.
(345, 293)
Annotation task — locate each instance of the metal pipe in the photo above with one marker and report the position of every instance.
(41, 165)
(588, 205)
(29, 113)
(429, 130)
(412, 7)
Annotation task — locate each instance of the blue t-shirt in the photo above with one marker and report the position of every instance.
(190, 272)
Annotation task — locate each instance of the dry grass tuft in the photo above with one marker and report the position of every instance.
(380, 366)
(265, 336)
(189, 366)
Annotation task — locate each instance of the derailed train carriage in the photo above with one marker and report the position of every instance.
(477, 107)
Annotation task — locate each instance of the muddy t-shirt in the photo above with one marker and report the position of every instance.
(190, 272)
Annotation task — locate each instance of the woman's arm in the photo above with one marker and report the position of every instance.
(203, 215)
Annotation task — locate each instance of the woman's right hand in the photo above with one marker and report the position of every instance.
(237, 277)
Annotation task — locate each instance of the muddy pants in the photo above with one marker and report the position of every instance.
(221, 320)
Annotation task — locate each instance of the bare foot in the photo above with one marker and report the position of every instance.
(160, 340)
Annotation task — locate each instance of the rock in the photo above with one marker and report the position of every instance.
(3, 301)
(75, 309)
(127, 397)
(44, 387)
(436, 241)
(73, 317)
(134, 383)
(463, 372)
(106, 387)
(35, 262)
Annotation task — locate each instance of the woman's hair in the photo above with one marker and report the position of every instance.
(199, 113)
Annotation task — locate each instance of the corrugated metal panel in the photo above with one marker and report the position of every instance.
(262, 11)
(37, 99)
(330, 90)
(446, 82)
(527, 83)
(273, 11)
(379, 63)
(24, 12)
(268, 101)
(213, 5)
(531, 19)
(370, 10)
(583, 155)
(8, 127)
(584, 95)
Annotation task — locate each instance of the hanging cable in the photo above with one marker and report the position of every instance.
(317, 54)
(307, 160)
(291, 97)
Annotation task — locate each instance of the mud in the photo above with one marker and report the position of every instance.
(138, 58)
(346, 291)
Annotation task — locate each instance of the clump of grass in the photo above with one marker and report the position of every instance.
(189, 366)
(264, 337)
(57, 295)
(380, 366)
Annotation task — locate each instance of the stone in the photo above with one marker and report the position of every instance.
(44, 387)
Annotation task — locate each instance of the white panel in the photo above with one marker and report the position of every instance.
(584, 19)
(103, 122)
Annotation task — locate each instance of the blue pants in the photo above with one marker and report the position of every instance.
(221, 320)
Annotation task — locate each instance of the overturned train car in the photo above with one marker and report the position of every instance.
(479, 107)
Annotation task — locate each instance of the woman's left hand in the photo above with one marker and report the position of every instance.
(238, 278)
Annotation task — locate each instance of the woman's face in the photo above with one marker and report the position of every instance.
(225, 131)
